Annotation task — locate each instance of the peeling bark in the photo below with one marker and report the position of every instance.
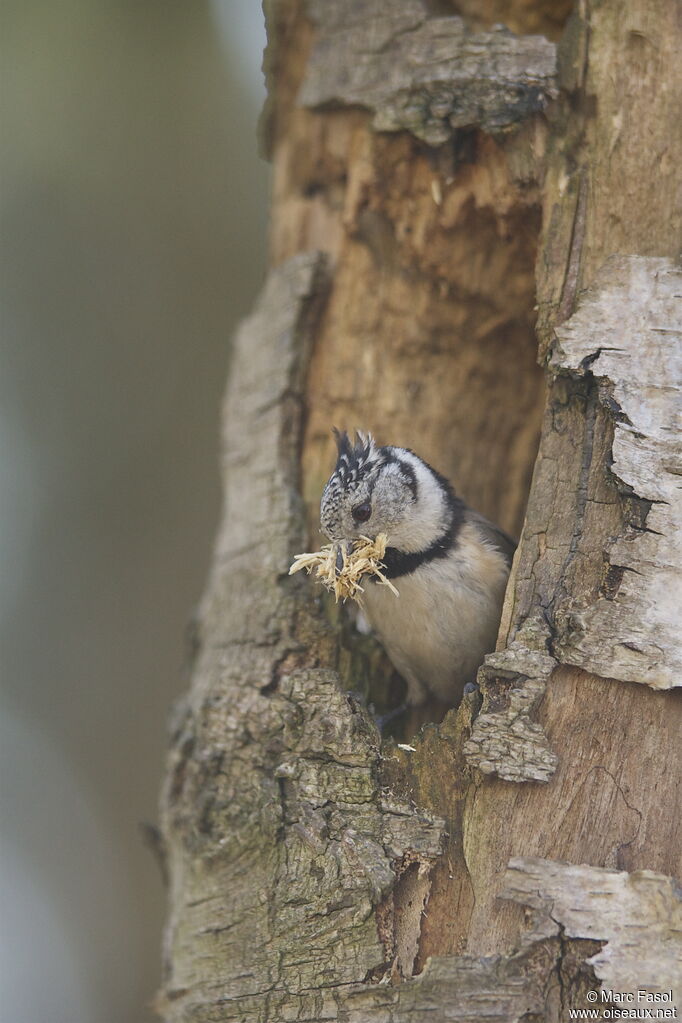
(505, 740)
(624, 622)
(637, 916)
(589, 574)
(428, 76)
(315, 872)
(632, 631)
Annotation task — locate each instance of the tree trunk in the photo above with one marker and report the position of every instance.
(439, 186)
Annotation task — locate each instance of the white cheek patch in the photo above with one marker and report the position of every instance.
(424, 520)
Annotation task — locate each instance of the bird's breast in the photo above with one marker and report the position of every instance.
(445, 619)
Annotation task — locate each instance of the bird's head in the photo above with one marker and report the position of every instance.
(387, 490)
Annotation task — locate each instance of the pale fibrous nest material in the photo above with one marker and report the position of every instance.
(364, 558)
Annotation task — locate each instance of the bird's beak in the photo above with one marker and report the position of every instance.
(342, 552)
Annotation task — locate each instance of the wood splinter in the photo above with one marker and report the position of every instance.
(365, 558)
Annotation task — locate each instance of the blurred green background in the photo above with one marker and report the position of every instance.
(133, 208)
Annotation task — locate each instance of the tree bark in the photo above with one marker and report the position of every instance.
(434, 182)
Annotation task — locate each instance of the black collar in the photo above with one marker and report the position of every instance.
(396, 562)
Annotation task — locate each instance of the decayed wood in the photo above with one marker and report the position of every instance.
(313, 873)
(626, 624)
(595, 571)
(615, 799)
(613, 179)
(280, 840)
(433, 254)
(525, 17)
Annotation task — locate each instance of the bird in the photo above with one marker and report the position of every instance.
(449, 564)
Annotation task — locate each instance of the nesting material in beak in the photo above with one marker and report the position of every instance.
(340, 567)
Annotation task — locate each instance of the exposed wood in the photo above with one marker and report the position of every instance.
(433, 254)
(525, 17)
(613, 182)
(625, 624)
(316, 874)
(616, 797)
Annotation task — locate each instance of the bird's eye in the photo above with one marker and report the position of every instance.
(362, 512)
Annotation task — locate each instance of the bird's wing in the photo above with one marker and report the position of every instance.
(494, 535)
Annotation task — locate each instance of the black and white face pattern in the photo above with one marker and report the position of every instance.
(384, 490)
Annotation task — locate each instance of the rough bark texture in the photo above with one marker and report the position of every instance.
(589, 514)
(315, 873)
(631, 630)
(428, 76)
(637, 916)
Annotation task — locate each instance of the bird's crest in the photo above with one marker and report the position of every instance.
(355, 458)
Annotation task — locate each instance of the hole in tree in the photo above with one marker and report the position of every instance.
(428, 341)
